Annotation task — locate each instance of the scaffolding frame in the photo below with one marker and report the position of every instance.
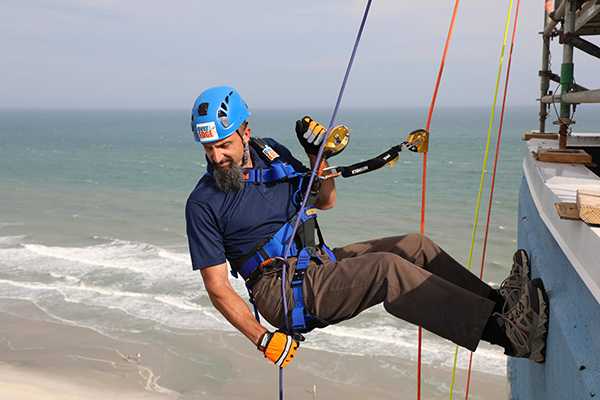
(576, 18)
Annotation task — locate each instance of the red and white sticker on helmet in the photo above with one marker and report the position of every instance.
(207, 131)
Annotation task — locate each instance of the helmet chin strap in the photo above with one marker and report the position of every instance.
(246, 154)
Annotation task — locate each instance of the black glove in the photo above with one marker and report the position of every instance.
(310, 134)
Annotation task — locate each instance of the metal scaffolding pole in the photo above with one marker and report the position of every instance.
(554, 17)
(588, 96)
(566, 74)
(545, 72)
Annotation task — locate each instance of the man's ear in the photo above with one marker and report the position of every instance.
(246, 134)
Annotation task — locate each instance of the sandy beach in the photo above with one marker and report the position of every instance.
(50, 360)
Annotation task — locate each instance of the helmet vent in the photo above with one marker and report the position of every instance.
(203, 109)
(222, 113)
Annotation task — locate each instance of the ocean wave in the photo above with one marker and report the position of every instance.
(119, 254)
(126, 283)
(104, 308)
(3, 224)
(11, 240)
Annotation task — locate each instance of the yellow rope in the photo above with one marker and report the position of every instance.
(487, 147)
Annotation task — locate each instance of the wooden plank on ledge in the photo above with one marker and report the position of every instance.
(571, 156)
(538, 135)
(588, 204)
(568, 211)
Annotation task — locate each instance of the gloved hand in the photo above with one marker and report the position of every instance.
(310, 134)
(278, 347)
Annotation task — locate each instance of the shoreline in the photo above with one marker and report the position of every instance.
(52, 360)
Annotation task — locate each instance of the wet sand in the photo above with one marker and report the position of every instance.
(51, 360)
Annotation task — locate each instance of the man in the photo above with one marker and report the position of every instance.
(242, 211)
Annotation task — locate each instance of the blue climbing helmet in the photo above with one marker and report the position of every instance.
(218, 112)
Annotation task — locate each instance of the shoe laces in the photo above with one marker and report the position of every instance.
(511, 281)
(511, 317)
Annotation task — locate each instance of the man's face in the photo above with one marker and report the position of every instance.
(225, 152)
(227, 158)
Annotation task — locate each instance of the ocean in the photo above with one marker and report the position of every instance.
(92, 227)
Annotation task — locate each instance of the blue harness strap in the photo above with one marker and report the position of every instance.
(275, 247)
(301, 318)
(278, 171)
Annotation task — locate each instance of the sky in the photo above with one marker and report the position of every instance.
(276, 53)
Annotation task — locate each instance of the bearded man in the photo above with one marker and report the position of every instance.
(242, 211)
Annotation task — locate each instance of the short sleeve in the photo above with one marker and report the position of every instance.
(204, 237)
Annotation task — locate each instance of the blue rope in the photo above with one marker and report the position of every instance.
(339, 99)
(312, 177)
(280, 383)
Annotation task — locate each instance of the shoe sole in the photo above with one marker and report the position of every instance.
(540, 299)
(520, 258)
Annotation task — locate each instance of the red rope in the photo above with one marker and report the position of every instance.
(487, 226)
(435, 92)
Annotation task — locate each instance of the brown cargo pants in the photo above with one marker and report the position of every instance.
(414, 278)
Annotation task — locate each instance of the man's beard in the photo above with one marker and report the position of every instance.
(231, 178)
(228, 178)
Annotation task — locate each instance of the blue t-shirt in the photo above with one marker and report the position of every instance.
(224, 226)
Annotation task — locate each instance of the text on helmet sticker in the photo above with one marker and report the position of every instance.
(207, 131)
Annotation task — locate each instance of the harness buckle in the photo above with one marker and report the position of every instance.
(298, 277)
(259, 173)
(312, 252)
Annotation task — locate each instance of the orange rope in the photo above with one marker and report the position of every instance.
(495, 167)
(435, 92)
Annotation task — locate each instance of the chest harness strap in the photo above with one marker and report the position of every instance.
(278, 171)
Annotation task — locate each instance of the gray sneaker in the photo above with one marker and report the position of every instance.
(526, 324)
(520, 274)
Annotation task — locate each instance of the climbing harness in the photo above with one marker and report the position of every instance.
(267, 256)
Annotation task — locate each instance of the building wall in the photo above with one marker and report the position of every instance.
(572, 367)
